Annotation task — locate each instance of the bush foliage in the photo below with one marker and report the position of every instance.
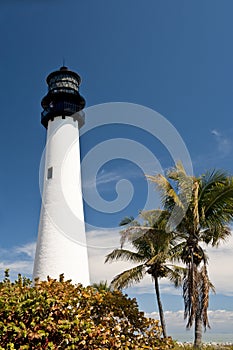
(58, 315)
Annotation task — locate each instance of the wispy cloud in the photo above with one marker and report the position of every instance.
(103, 178)
(18, 259)
(224, 144)
(28, 249)
(215, 132)
(217, 155)
(17, 266)
(107, 177)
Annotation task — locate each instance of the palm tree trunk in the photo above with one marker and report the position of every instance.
(161, 314)
(198, 330)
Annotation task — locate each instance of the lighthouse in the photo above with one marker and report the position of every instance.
(61, 245)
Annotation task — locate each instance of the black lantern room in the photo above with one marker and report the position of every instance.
(63, 98)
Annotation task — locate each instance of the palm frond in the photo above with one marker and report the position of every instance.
(174, 200)
(128, 277)
(132, 233)
(176, 274)
(176, 251)
(215, 234)
(127, 220)
(183, 181)
(195, 206)
(169, 196)
(176, 172)
(190, 295)
(210, 179)
(101, 286)
(204, 295)
(216, 200)
(157, 258)
(153, 217)
(125, 255)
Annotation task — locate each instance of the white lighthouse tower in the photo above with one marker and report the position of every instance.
(61, 246)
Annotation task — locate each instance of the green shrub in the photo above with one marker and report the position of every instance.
(59, 315)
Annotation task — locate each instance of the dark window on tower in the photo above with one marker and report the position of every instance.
(50, 173)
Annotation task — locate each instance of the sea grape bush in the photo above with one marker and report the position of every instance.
(58, 315)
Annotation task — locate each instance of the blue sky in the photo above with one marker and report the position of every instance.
(174, 57)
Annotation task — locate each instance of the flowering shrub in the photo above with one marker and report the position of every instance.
(59, 315)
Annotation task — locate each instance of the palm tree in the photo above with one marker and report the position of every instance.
(102, 286)
(201, 209)
(151, 250)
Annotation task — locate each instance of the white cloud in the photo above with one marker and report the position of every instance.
(10, 259)
(17, 266)
(221, 321)
(174, 319)
(100, 243)
(215, 133)
(220, 267)
(224, 144)
(103, 178)
(28, 249)
(103, 239)
(106, 177)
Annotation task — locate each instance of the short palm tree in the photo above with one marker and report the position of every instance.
(102, 286)
(201, 209)
(152, 251)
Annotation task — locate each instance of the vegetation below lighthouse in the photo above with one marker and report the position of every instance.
(59, 315)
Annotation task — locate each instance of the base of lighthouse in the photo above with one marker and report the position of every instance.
(61, 246)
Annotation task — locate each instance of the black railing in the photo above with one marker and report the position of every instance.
(60, 108)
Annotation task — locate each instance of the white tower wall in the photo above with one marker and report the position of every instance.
(61, 246)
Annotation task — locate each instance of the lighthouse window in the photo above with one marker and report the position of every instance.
(50, 173)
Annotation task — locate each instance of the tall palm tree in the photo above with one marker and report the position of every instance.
(201, 210)
(151, 250)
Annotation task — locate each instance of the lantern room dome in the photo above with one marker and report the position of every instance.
(63, 98)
